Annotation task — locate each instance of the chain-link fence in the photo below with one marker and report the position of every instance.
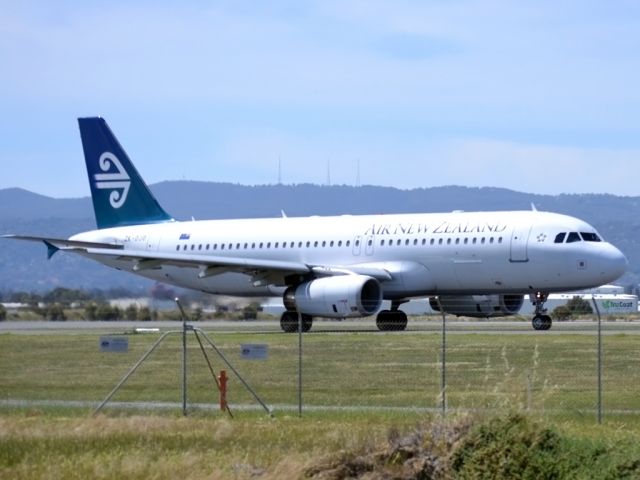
(461, 365)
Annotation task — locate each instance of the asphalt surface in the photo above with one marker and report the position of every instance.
(419, 326)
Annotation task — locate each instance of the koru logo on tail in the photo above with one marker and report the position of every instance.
(118, 181)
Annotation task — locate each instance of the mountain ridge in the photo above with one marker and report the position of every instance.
(23, 266)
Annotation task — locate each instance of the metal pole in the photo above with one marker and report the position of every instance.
(595, 304)
(443, 380)
(184, 366)
(133, 369)
(299, 364)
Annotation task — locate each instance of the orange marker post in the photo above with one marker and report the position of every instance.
(222, 380)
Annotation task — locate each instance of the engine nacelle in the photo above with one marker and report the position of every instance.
(483, 306)
(335, 297)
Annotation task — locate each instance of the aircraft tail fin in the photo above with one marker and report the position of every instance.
(120, 196)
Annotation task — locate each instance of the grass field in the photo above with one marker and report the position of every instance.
(395, 376)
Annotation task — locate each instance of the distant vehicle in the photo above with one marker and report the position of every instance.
(478, 264)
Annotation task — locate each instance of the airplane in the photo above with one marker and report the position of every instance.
(478, 264)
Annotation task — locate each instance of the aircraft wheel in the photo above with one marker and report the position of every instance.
(289, 322)
(399, 321)
(307, 321)
(547, 322)
(391, 320)
(383, 320)
(538, 322)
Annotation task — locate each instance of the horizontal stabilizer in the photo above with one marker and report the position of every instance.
(55, 244)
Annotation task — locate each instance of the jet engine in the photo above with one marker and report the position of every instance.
(335, 297)
(483, 306)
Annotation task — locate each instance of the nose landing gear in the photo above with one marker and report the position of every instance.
(541, 321)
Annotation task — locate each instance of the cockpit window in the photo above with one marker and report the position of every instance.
(573, 237)
(590, 237)
(560, 237)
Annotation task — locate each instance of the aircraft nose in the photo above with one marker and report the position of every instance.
(614, 263)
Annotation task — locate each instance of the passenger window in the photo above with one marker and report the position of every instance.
(200, 247)
(324, 243)
(457, 241)
(499, 239)
(348, 243)
(433, 240)
(448, 241)
(415, 241)
(339, 243)
(177, 247)
(276, 245)
(406, 242)
(315, 244)
(440, 241)
(331, 243)
(466, 240)
(560, 237)
(382, 243)
(573, 237)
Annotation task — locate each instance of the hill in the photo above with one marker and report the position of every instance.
(23, 266)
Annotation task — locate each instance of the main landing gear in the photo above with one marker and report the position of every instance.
(289, 322)
(541, 321)
(392, 320)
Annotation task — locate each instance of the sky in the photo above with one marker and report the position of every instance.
(538, 97)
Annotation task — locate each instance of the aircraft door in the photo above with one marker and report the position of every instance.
(519, 240)
(356, 245)
(368, 248)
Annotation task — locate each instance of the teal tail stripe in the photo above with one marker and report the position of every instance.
(120, 196)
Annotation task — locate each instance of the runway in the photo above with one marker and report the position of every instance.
(415, 326)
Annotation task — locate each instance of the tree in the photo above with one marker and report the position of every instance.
(250, 312)
(144, 314)
(107, 312)
(131, 312)
(90, 311)
(55, 312)
(574, 307)
(3, 312)
(579, 306)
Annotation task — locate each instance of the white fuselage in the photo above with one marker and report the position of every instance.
(425, 254)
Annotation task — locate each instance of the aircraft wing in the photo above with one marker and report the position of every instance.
(142, 259)
(209, 265)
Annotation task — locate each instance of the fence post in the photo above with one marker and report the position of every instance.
(595, 305)
(443, 379)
